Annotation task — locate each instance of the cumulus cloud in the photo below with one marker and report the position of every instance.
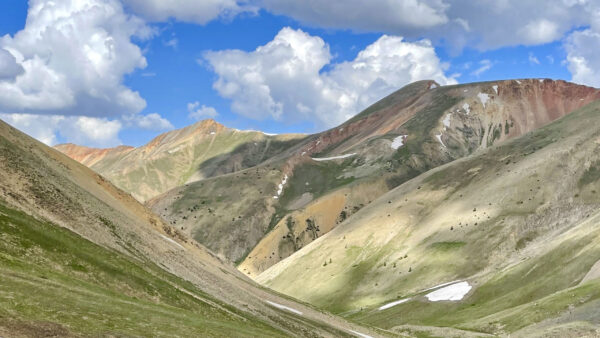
(193, 11)
(372, 15)
(9, 68)
(91, 131)
(583, 60)
(71, 58)
(286, 78)
(152, 121)
(198, 112)
(485, 24)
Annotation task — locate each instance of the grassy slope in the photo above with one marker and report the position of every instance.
(53, 275)
(500, 219)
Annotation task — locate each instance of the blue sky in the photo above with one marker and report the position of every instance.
(177, 70)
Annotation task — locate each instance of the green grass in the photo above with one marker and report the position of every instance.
(591, 175)
(323, 177)
(50, 274)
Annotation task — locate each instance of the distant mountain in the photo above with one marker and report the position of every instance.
(80, 257)
(333, 174)
(204, 149)
(504, 242)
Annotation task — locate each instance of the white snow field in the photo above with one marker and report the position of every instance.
(452, 292)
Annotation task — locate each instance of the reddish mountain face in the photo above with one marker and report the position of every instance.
(90, 156)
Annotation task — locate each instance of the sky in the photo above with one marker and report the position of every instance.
(102, 73)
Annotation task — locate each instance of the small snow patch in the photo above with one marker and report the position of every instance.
(303, 153)
(541, 80)
(446, 121)
(495, 89)
(172, 241)
(268, 134)
(467, 108)
(361, 335)
(398, 141)
(465, 90)
(174, 150)
(392, 304)
(212, 133)
(519, 82)
(283, 307)
(484, 98)
(452, 292)
(280, 187)
(332, 158)
(439, 138)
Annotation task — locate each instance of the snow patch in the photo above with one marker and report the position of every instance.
(439, 138)
(467, 108)
(361, 335)
(398, 141)
(541, 80)
(174, 150)
(280, 187)
(392, 304)
(332, 158)
(283, 307)
(212, 133)
(519, 82)
(452, 292)
(495, 89)
(439, 286)
(446, 121)
(484, 98)
(303, 153)
(268, 134)
(172, 241)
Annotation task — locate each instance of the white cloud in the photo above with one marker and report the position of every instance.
(152, 121)
(194, 11)
(540, 31)
(533, 59)
(484, 24)
(74, 55)
(484, 66)
(173, 43)
(583, 60)
(96, 132)
(197, 112)
(9, 68)
(284, 79)
(372, 15)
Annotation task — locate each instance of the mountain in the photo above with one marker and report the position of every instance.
(204, 149)
(80, 257)
(503, 242)
(261, 215)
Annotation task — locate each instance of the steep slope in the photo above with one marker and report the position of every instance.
(505, 241)
(331, 175)
(81, 257)
(204, 149)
